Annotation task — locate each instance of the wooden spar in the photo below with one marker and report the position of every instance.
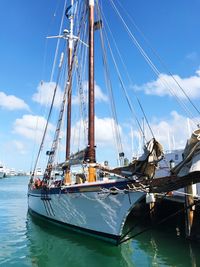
(91, 83)
(91, 129)
(69, 97)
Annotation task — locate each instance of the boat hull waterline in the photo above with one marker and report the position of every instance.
(87, 208)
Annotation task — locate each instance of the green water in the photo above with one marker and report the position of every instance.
(27, 241)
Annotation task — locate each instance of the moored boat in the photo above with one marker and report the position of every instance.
(95, 199)
(2, 171)
(95, 208)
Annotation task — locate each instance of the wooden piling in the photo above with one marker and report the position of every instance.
(150, 200)
(189, 212)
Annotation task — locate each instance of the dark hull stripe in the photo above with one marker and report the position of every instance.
(112, 238)
(82, 188)
(45, 208)
(50, 207)
(47, 205)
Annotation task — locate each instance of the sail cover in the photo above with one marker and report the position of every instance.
(75, 159)
(191, 156)
(145, 165)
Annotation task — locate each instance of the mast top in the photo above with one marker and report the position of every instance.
(91, 2)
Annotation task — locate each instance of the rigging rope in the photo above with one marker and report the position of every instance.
(130, 80)
(82, 102)
(80, 68)
(49, 115)
(158, 56)
(67, 88)
(115, 123)
(58, 42)
(149, 61)
(124, 88)
(43, 68)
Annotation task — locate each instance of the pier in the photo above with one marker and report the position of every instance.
(181, 210)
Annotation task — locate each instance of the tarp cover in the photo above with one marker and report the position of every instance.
(145, 165)
(191, 156)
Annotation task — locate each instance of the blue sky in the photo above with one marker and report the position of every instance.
(172, 29)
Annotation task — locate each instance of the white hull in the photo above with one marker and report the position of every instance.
(12, 174)
(98, 213)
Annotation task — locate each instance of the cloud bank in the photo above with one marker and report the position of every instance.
(44, 94)
(31, 127)
(172, 132)
(99, 95)
(165, 84)
(11, 102)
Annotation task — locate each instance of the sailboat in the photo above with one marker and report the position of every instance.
(95, 199)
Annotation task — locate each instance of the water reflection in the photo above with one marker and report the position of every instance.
(162, 248)
(52, 246)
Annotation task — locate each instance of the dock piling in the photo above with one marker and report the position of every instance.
(189, 212)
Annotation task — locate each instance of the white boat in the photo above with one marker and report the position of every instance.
(170, 160)
(95, 200)
(182, 162)
(98, 207)
(12, 172)
(2, 171)
(38, 172)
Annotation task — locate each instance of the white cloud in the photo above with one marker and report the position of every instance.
(12, 102)
(44, 94)
(165, 83)
(104, 139)
(172, 133)
(31, 127)
(20, 147)
(45, 91)
(99, 95)
(103, 133)
(193, 56)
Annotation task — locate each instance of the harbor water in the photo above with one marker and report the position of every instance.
(28, 241)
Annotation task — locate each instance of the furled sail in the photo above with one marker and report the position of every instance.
(144, 166)
(75, 159)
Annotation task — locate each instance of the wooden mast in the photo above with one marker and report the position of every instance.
(91, 129)
(69, 97)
